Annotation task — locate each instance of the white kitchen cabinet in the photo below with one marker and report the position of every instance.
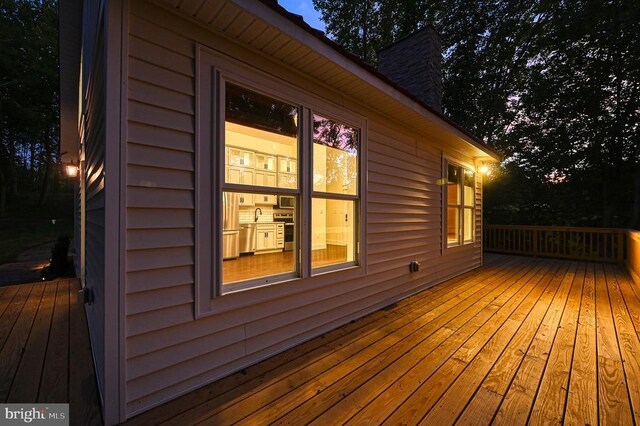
(266, 237)
(287, 180)
(266, 162)
(246, 199)
(267, 199)
(287, 165)
(262, 178)
(242, 176)
(280, 235)
(269, 179)
(287, 173)
(234, 174)
(240, 157)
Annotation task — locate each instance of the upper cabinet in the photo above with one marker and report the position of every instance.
(287, 165)
(265, 162)
(287, 180)
(244, 176)
(241, 157)
(252, 168)
(268, 179)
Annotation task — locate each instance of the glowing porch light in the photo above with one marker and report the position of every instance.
(71, 170)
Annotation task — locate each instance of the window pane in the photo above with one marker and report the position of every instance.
(333, 232)
(261, 134)
(453, 225)
(453, 186)
(255, 244)
(468, 225)
(335, 157)
(469, 193)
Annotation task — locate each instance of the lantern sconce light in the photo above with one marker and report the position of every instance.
(71, 169)
(485, 170)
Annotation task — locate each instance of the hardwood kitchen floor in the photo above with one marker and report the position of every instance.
(260, 265)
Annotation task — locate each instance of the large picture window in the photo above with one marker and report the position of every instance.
(460, 205)
(266, 190)
(261, 141)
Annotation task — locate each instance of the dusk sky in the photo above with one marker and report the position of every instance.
(304, 8)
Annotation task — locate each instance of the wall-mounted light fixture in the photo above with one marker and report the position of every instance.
(484, 169)
(71, 169)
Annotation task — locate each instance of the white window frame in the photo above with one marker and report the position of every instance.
(224, 186)
(336, 196)
(212, 70)
(461, 206)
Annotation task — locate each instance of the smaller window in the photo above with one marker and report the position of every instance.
(469, 206)
(460, 205)
(335, 194)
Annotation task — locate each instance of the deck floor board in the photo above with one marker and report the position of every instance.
(55, 373)
(518, 341)
(44, 349)
(32, 361)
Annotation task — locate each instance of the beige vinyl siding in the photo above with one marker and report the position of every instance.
(77, 228)
(94, 147)
(479, 234)
(91, 19)
(168, 351)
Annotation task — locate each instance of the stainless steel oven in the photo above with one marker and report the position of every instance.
(289, 236)
(289, 228)
(286, 202)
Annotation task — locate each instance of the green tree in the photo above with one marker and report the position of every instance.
(551, 84)
(577, 114)
(28, 96)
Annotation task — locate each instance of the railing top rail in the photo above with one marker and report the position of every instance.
(560, 228)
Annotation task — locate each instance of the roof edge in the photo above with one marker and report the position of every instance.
(69, 40)
(272, 4)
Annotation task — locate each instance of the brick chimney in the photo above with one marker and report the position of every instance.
(415, 64)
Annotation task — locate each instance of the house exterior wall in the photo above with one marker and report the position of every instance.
(92, 190)
(97, 242)
(168, 351)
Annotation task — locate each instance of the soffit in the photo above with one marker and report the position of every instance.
(266, 27)
(70, 29)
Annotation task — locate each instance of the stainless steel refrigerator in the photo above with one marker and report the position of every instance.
(230, 225)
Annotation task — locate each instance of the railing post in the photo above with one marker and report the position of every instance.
(535, 243)
(621, 247)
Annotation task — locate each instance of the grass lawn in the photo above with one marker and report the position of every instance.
(26, 226)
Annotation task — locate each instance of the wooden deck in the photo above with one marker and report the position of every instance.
(519, 341)
(44, 349)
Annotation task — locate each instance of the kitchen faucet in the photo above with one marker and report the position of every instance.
(256, 213)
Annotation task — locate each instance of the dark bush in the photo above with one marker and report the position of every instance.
(60, 265)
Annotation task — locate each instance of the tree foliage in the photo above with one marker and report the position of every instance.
(552, 84)
(28, 97)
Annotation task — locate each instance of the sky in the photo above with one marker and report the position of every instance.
(304, 8)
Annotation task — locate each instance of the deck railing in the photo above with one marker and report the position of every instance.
(589, 244)
(633, 254)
